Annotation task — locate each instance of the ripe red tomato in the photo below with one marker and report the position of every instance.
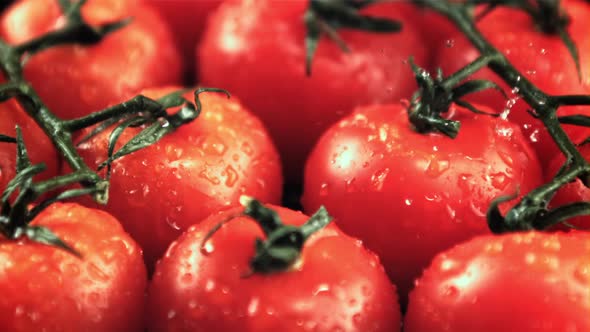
(409, 196)
(77, 80)
(187, 19)
(48, 289)
(39, 147)
(202, 167)
(515, 282)
(337, 285)
(572, 192)
(256, 50)
(541, 58)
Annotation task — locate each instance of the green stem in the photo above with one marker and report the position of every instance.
(34, 106)
(129, 107)
(457, 77)
(544, 105)
(569, 100)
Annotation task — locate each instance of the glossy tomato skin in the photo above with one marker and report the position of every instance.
(572, 192)
(256, 50)
(516, 282)
(39, 147)
(187, 20)
(337, 286)
(48, 289)
(76, 80)
(202, 167)
(409, 196)
(542, 59)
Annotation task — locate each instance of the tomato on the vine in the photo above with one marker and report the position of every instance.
(256, 50)
(202, 167)
(570, 193)
(336, 284)
(409, 195)
(515, 282)
(542, 58)
(75, 80)
(39, 147)
(48, 289)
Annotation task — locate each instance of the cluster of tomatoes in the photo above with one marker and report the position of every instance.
(409, 208)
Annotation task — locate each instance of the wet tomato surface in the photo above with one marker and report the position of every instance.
(410, 195)
(337, 285)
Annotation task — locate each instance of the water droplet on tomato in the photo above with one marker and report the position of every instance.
(477, 209)
(530, 258)
(97, 273)
(247, 149)
(499, 180)
(171, 314)
(451, 212)
(408, 201)
(447, 264)
(437, 166)
(449, 43)
(19, 310)
(534, 136)
(192, 304)
(231, 176)
(506, 157)
(187, 278)
(350, 186)
(321, 289)
(436, 198)
(582, 274)
(209, 285)
(207, 248)
(451, 291)
(378, 178)
(357, 319)
(253, 306)
(324, 189)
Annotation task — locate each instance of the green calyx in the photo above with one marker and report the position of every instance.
(327, 16)
(16, 216)
(282, 246)
(434, 98)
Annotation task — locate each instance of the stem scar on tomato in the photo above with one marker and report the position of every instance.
(281, 249)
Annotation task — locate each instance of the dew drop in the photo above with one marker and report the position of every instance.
(321, 289)
(408, 201)
(447, 264)
(253, 306)
(232, 176)
(247, 149)
(499, 181)
(209, 285)
(451, 291)
(451, 212)
(350, 186)
(449, 43)
(19, 311)
(507, 158)
(171, 314)
(530, 258)
(324, 190)
(436, 167)
(582, 274)
(207, 248)
(378, 178)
